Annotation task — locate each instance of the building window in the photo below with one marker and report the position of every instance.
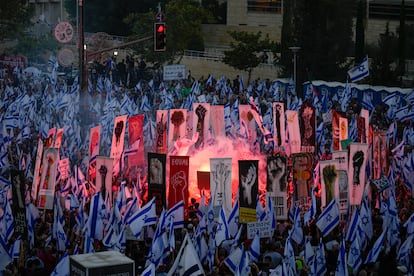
(272, 6)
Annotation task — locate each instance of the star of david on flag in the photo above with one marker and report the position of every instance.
(360, 71)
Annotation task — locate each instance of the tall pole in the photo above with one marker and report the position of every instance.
(81, 49)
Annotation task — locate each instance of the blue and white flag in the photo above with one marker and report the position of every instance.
(146, 216)
(309, 253)
(222, 231)
(14, 251)
(376, 249)
(62, 268)
(260, 212)
(366, 220)
(177, 212)
(233, 260)
(97, 214)
(360, 71)
(187, 261)
(149, 270)
(405, 113)
(5, 258)
(233, 220)
(61, 238)
(270, 212)
(289, 255)
(353, 226)
(32, 214)
(7, 228)
(409, 225)
(320, 260)
(311, 213)
(341, 264)
(297, 232)
(354, 255)
(254, 250)
(329, 218)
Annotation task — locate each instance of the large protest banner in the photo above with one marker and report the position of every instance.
(335, 130)
(135, 141)
(201, 123)
(177, 126)
(217, 121)
(292, 121)
(37, 172)
(220, 183)
(342, 168)
(161, 131)
(94, 146)
(19, 204)
(329, 181)
(59, 138)
(157, 164)
(379, 154)
(302, 174)
(178, 188)
(356, 169)
(248, 189)
(279, 130)
(48, 178)
(307, 125)
(247, 125)
(118, 139)
(104, 167)
(276, 186)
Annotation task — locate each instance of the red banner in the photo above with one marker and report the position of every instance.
(335, 130)
(94, 144)
(136, 140)
(178, 188)
(302, 174)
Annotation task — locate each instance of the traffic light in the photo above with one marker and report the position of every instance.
(160, 37)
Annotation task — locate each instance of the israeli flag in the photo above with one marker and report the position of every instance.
(254, 251)
(354, 255)
(375, 250)
(329, 218)
(342, 266)
(146, 216)
(360, 71)
(222, 232)
(62, 268)
(8, 222)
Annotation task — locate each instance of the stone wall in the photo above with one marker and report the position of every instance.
(201, 67)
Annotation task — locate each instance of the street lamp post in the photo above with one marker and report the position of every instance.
(294, 50)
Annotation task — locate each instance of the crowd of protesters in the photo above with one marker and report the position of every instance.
(31, 105)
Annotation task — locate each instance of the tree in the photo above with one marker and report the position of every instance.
(14, 18)
(288, 38)
(360, 33)
(247, 53)
(108, 15)
(401, 42)
(323, 30)
(384, 56)
(183, 23)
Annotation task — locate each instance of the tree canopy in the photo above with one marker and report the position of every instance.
(248, 50)
(14, 18)
(323, 30)
(183, 22)
(108, 15)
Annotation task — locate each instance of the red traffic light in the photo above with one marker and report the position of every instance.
(160, 36)
(160, 28)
